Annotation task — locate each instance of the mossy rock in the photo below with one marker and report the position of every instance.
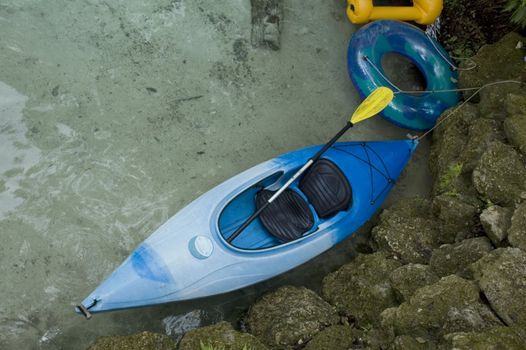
(480, 134)
(141, 341)
(516, 103)
(361, 289)
(410, 238)
(498, 338)
(515, 129)
(500, 175)
(290, 316)
(508, 64)
(493, 99)
(450, 305)
(220, 336)
(452, 181)
(336, 338)
(406, 342)
(450, 137)
(456, 258)
(406, 279)
(496, 221)
(517, 230)
(456, 215)
(501, 276)
(410, 207)
(407, 230)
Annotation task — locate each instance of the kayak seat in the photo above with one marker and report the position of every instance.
(326, 188)
(288, 217)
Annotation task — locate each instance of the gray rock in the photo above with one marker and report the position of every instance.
(517, 231)
(505, 338)
(220, 336)
(408, 231)
(515, 129)
(456, 214)
(456, 258)
(496, 221)
(450, 305)
(501, 276)
(500, 175)
(361, 288)
(289, 316)
(408, 278)
(141, 341)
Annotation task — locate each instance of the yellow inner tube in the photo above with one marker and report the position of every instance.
(422, 11)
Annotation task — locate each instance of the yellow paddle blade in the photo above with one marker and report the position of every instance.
(373, 104)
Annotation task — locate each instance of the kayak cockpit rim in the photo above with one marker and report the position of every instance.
(270, 180)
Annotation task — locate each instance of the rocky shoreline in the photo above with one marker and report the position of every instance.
(445, 272)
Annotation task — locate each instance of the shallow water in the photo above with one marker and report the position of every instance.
(114, 115)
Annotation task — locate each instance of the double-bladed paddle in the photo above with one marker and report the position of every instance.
(372, 105)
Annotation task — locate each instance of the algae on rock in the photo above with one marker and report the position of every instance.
(500, 175)
(481, 134)
(406, 279)
(450, 305)
(456, 258)
(517, 230)
(505, 338)
(515, 129)
(406, 342)
(336, 338)
(361, 288)
(221, 336)
(408, 230)
(140, 341)
(508, 64)
(290, 315)
(456, 215)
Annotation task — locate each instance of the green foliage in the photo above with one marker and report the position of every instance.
(211, 347)
(445, 184)
(518, 11)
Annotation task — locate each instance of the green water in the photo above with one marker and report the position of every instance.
(115, 114)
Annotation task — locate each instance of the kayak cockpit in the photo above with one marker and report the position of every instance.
(319, 195)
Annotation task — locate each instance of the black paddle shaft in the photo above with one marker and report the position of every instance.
(311, 160)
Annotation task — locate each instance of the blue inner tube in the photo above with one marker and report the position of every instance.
(364, 62)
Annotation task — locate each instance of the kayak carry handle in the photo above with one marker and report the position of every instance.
(84, 310)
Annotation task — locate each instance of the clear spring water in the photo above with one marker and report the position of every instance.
(115, 114)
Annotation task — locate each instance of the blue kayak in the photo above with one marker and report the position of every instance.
(189, 256)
